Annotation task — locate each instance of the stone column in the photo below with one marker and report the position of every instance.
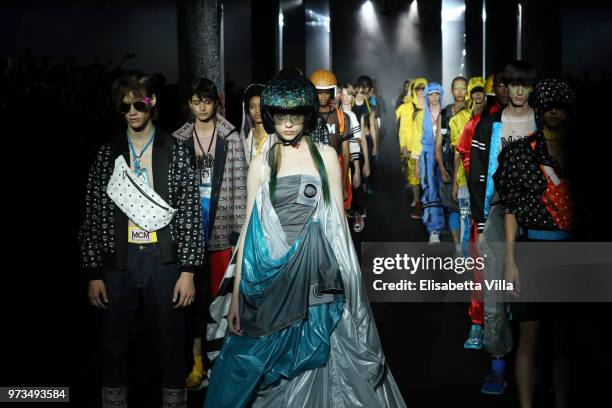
(200, 43)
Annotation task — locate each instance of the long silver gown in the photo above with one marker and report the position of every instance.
(355, 373)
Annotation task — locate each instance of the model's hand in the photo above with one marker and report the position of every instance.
(366, 169)
(417, 169)
(445, 176)
(184, 290)
(479, 242)
(356, 178)
(455, 192)
(233, 317)
(511, 275)
(97, 293)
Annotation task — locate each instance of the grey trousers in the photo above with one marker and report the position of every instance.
(497, 333)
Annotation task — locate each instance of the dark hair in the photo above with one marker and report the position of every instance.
(497, 78)
(459, 78)
(520, 73)
(366, 81)
(138, 86)
(251, 91)
(204, 88)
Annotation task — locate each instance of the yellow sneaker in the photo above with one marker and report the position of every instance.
(196, 380)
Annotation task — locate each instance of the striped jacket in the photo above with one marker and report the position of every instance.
(480, 177)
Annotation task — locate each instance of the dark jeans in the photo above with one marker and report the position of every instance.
(370, 141)
(359, 194)
(149, 284)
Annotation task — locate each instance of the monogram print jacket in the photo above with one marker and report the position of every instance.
(104, 233)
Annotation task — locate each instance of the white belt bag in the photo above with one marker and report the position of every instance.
(137, 199)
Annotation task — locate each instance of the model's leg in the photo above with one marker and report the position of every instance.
(116, 321)
(416, 189)
(497, 333)
(454, 224)
(561, 369)
(358, 204)
(525, 362)
(170, 323)
(195, 321)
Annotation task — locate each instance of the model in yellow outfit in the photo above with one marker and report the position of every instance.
(402, 115)
(405, 114)
(457, 123)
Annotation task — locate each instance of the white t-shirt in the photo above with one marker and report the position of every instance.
(516, 128)
(355, 132)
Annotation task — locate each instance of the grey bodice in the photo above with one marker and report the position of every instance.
(296, 200)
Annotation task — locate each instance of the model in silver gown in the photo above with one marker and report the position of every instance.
(328, 356)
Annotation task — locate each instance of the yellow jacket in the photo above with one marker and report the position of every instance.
(406, 115)
(456, 124)
(414, 144)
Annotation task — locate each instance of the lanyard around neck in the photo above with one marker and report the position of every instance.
(137, 157)
(206, 159)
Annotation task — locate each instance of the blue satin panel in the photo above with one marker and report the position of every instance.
(259, 269)
(205, 208)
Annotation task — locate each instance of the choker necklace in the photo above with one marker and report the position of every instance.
(293, 143)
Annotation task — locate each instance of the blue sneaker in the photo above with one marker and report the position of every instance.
(474, 342)
(495, 382)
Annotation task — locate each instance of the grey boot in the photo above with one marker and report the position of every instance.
(114, 397)
(174, 397)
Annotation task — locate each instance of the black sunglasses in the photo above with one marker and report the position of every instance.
(140, 106)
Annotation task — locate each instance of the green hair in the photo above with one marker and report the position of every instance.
(274, 158)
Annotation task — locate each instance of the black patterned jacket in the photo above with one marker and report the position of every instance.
(104, 233)
(521, 183)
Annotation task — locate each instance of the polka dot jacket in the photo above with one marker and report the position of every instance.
(520, 182)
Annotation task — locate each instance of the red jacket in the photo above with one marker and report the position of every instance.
(465, 143)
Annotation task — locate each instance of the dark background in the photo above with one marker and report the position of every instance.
(55, 112)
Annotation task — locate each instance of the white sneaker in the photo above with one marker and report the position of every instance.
(413, 203)
(434, 238)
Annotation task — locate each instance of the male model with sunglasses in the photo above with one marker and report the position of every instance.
(130, 267)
